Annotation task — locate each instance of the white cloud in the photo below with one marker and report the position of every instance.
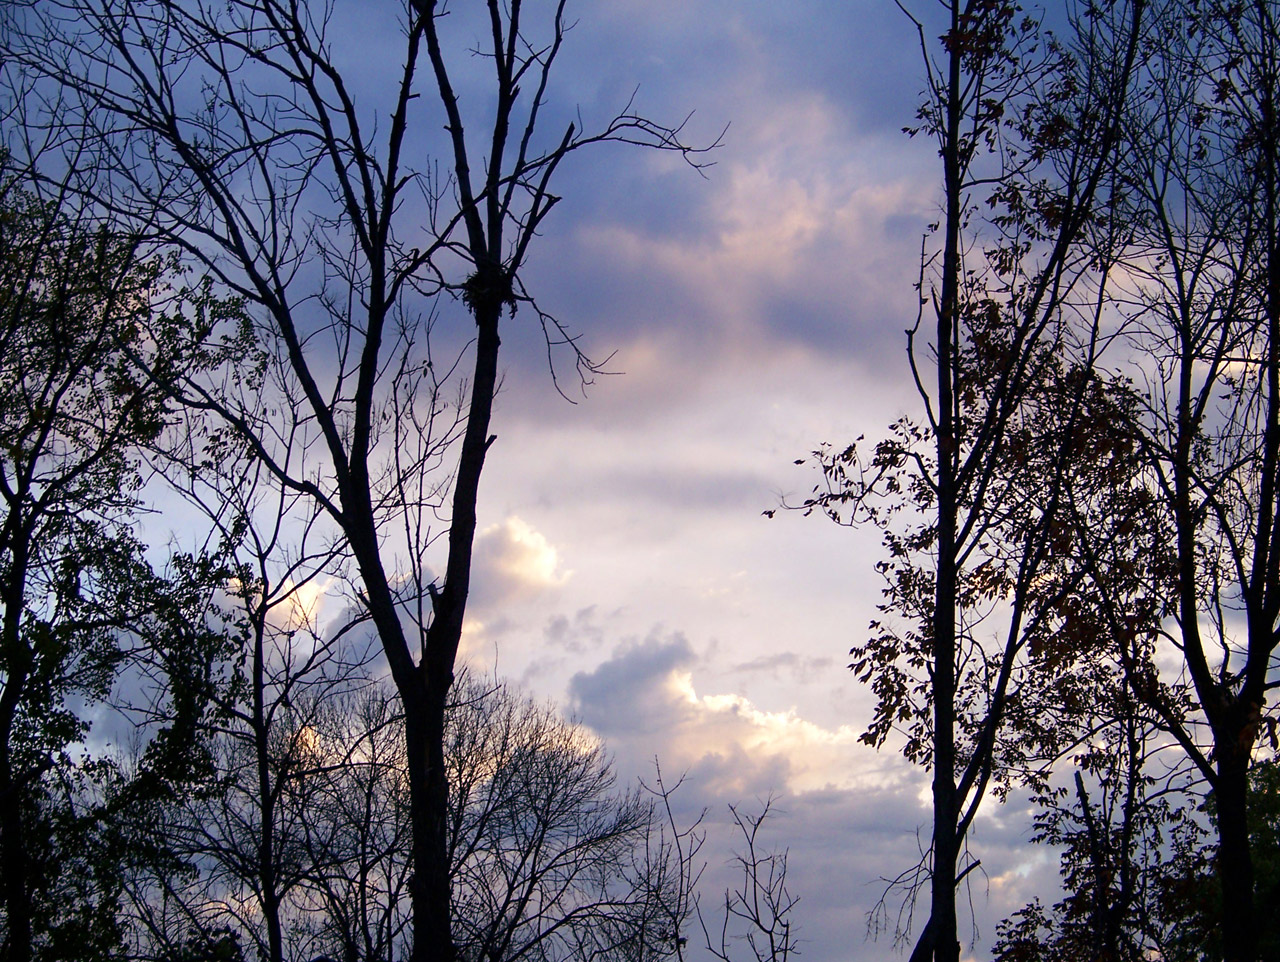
(728, 725)
(303, 605)
(513, 560)
(645, 701)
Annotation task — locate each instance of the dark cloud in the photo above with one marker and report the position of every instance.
(625, 696)
(637, 248)
(577, 633)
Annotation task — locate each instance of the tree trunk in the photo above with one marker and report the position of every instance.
(1235, 863)
(425, 706)
(13, 851)
(946, 945)
(267, 880)
(428, 808)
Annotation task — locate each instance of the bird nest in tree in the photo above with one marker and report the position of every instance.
(489, 286)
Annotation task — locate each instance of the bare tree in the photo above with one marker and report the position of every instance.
(239, 133)
(549, 859)
(354, 896)
(758, 912)
(240, 832)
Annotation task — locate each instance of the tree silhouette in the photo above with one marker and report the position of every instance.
(243, 135)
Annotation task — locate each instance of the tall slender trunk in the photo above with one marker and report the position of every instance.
(946, 945)
(14, 860)
(430, 894)
(267, 880)
(1235, 736)
(13, 853)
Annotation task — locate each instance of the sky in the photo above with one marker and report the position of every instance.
(753, 312)
(749, 313)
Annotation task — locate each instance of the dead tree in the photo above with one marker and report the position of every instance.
(246, 134)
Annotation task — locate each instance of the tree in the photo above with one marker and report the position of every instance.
(236, 133)
(1190, 601)
(1201, 305)
(78, 598)
(1116, 825)
(1161, 899)
(1193, 888)
(355, 888)
(239, 830)
(758, 912)
(549, 859)
(1116, 798)
(1028, 127)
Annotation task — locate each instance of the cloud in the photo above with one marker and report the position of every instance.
(804, 235)
(515, 571)
(851, 817)
(513, 561)
(644, 700)
(845, 844)
(303, 606)
(575, 634)
(847, 815)
(788, 661)
(791, 255)
(628, 696)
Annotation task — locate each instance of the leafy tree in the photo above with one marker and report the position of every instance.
(1190, 601)
(78, 599)
(1192, 903)
(1139, 872)
(1198, 295)
(1117, 827)
(972, 649)
(1113, 795)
